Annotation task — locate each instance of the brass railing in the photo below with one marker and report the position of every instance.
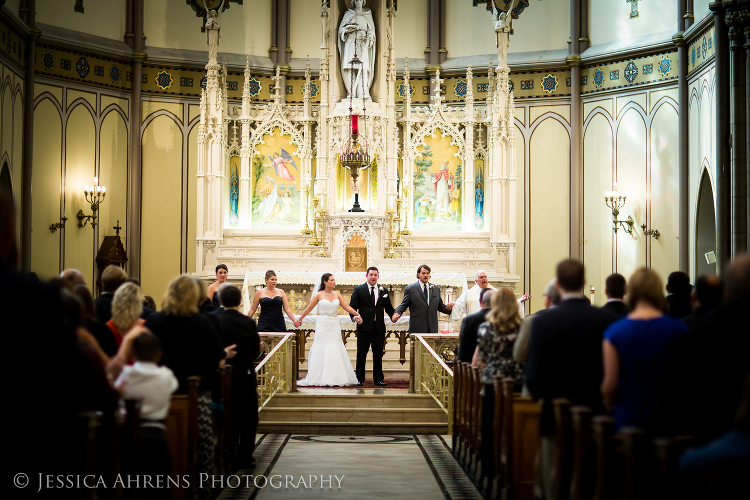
(278, 370)
(431, 373)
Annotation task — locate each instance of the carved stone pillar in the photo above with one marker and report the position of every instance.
(738, 113)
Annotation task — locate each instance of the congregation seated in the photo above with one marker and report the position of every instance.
(112, 278)
(126, 310)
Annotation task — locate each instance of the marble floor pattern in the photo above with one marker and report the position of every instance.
(388, 466)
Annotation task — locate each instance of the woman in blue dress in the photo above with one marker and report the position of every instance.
(273, 305)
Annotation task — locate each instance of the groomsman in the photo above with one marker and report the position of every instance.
(423, 301)
(371, 300)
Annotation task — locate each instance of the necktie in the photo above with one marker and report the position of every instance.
(426, 299)
(374, 297)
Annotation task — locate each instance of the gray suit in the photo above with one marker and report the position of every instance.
(422, 317)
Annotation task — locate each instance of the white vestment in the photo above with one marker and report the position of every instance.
(468, 303)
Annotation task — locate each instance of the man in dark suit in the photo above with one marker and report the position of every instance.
(565, 354)
(614, 289)
(678, 294)
(241, 331)
(707, 296)
(370, 300)
(467, 337)
(423, 301)
(112, 278)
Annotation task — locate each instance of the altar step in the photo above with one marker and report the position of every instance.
(356, 412)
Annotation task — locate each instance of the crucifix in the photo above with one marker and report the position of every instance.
(117, 228)
(633, 8)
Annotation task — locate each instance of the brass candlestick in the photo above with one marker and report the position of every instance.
(405, 231)
(399, 241)
(322, 214)
(307, 229)
(314, 241)
(390, 254)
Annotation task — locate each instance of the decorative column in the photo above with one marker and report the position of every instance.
(467, 190)
(747, 135)
(735, 22)
(723, 213)
(245, 153)
(28, 138)
(576, 124)
(321, 171)
(135, 172)
(406, 153)
(308, 123)
(683, 165)
(391, 143)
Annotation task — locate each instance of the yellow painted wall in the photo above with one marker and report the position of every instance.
(613, 20)
(192, 197)
(665, 190)
(520, 205)
(113, 173)
(304, 38)
(245, 29)
(542, 26)
(80, 168)
(105, 18)
(550, 204)
(597, 226)
(411, 33)
(45, 247)
(161, 207)
(631, 178)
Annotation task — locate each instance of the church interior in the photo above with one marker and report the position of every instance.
(494, 137)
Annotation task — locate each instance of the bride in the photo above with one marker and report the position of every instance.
(328, 362)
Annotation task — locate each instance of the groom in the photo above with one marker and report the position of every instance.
(370, 300)
(423, 301)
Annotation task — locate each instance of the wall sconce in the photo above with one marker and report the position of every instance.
(651, 232)
(94, 196)
(616, 201)
(58, 225)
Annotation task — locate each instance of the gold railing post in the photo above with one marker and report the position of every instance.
(450, 403)
(412, 373)
(294, 369)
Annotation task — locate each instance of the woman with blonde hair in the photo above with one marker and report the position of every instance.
(127, 305)
(638, 352)
(191, 346)
(494, 355)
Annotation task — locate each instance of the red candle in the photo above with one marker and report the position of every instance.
(355, 124)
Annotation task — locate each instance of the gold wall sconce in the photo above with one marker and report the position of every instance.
(651, 232)
(94, 196)
(615, 201)
(58, 225)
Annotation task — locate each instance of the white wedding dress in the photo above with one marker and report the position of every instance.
(328, 362)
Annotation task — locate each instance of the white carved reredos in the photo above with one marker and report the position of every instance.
(286, 128)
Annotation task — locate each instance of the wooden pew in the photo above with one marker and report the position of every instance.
(476, 422)
(584, 447)
(609, 460)
(498, 429)
(228, 435)
(520, 442)
(182, 436)
(562, 465)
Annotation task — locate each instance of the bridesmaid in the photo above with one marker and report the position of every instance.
(273, 304)
(213, 289)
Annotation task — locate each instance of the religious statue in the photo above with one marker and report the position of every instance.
(212, 36)
(479, 205)
(357, 34)
(501, 20)
(234, 196)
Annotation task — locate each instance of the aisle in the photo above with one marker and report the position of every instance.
(416, 466)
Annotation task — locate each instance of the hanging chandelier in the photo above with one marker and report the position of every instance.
(355, 154)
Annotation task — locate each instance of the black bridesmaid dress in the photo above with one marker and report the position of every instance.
(271, 315)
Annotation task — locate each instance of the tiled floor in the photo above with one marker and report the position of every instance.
(310, 466)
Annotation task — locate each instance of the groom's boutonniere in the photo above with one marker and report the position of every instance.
(382, 290)
(431, 286)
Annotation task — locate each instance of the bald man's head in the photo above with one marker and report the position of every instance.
(73, 277)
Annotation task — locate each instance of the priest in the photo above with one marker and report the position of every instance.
(468, 302)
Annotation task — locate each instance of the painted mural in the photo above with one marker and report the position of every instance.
(234, 190)
(276, 184)
(437, 185)
(479, 192)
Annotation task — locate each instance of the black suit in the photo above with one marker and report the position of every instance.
(679, 306)
(565, 357)
(467, 338)
(617, 307)
(371, 332)
(103, 304)
(241, 330)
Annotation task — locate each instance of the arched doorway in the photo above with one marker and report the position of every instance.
(6, 185)
(705, 228)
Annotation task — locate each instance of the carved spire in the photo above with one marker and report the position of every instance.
(407, 90)
(246, 89)
(277, 96)
(437, 97)
(469, 94)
